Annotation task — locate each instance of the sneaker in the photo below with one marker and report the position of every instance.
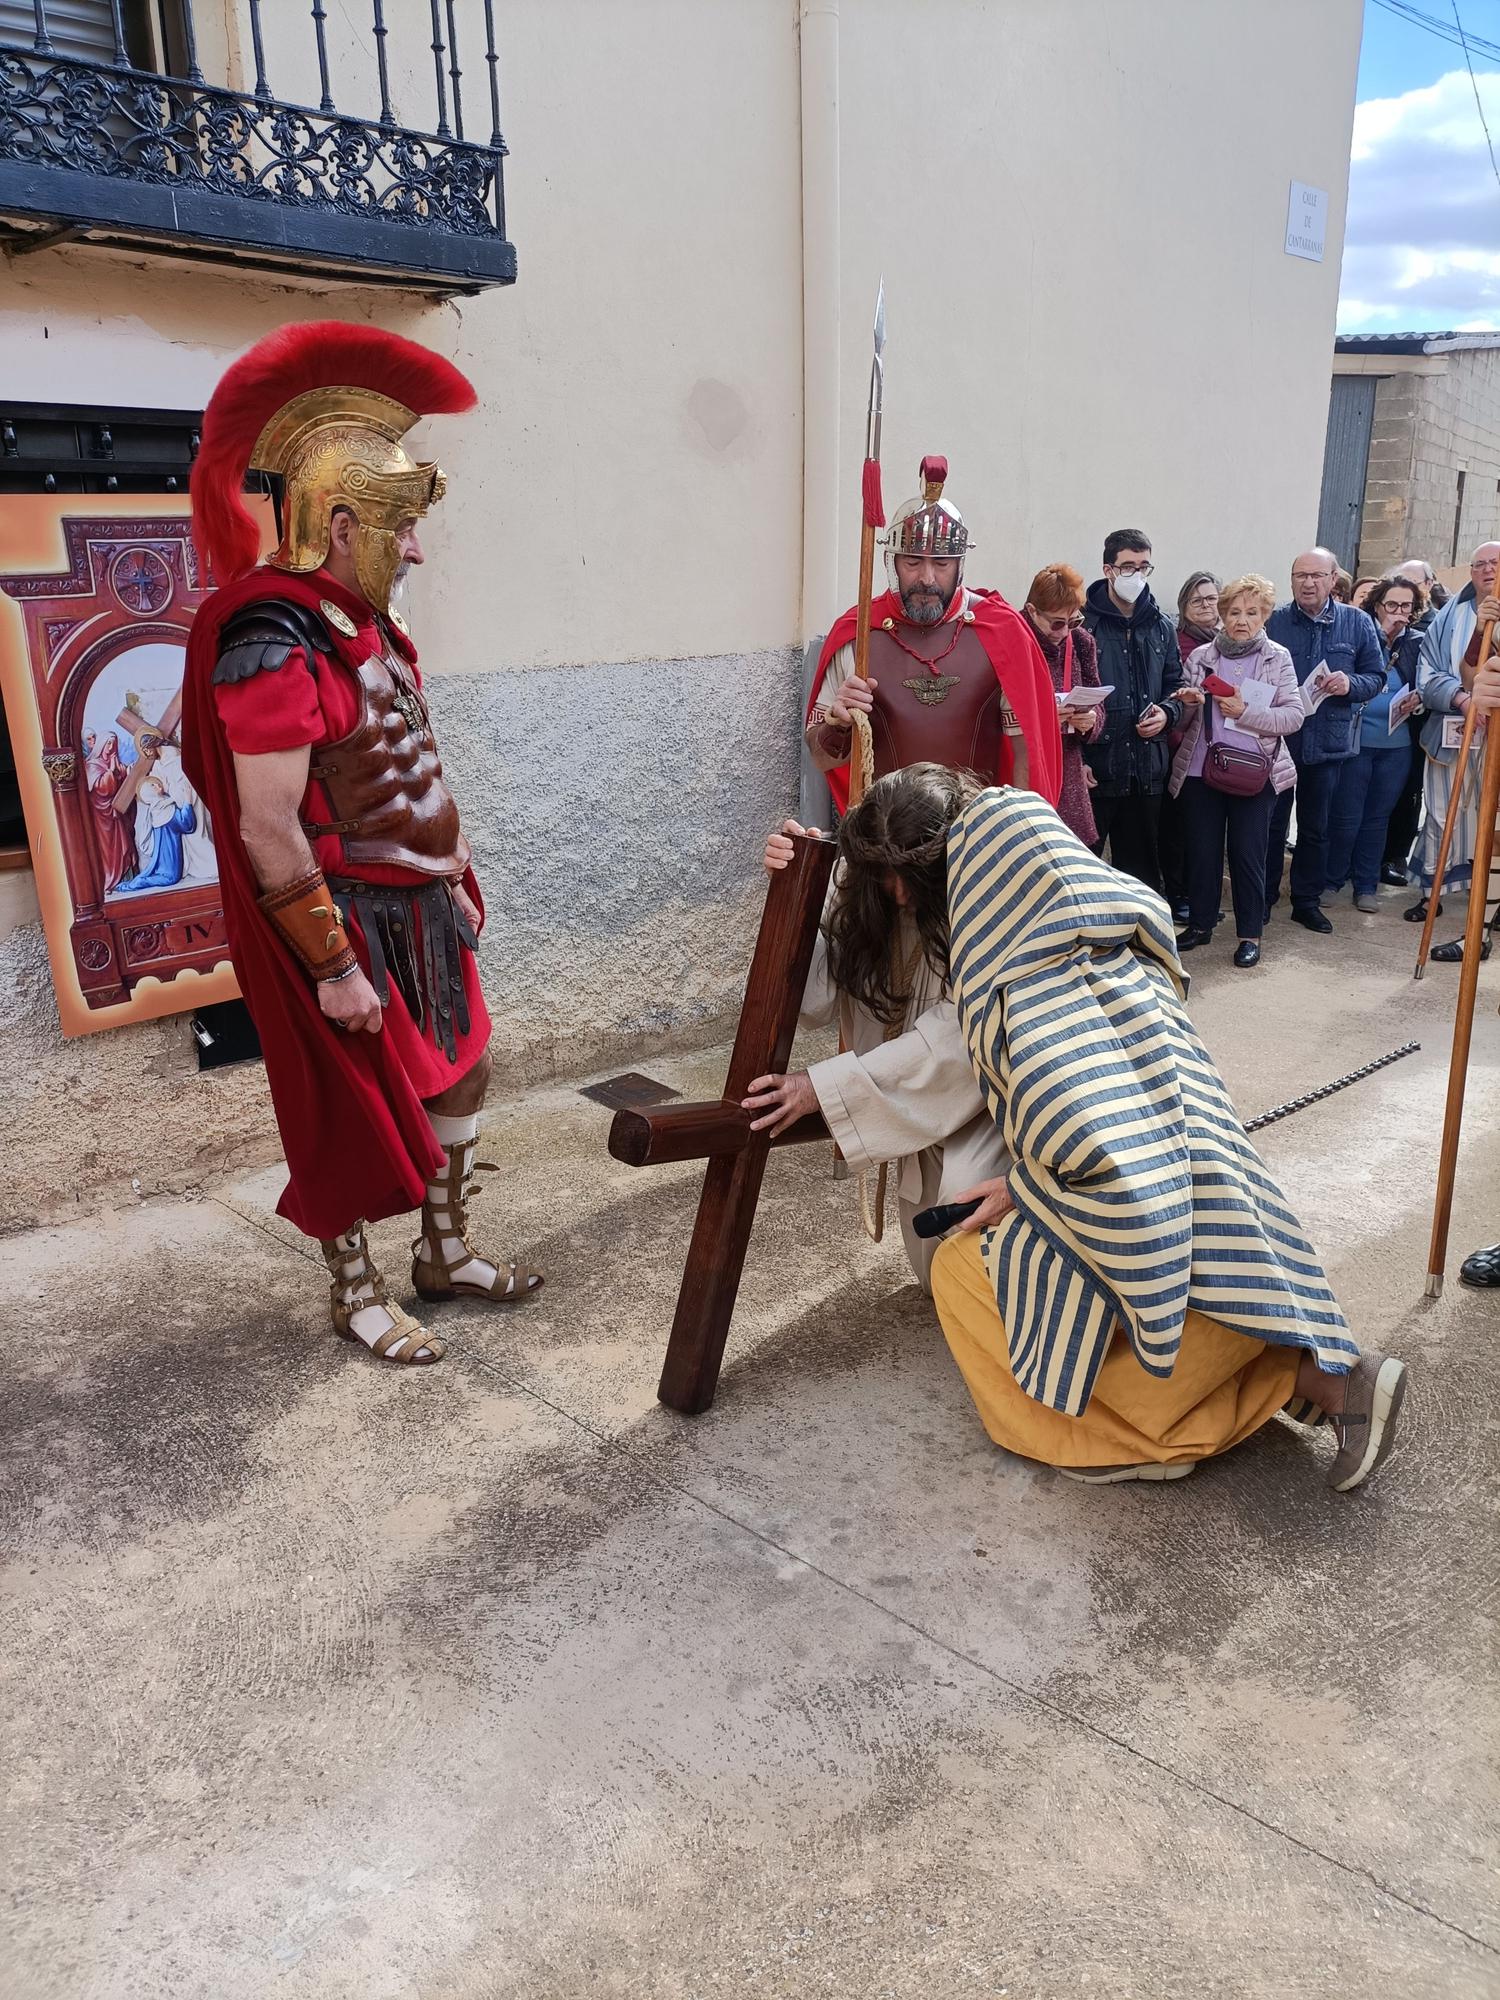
(1368, 901)
(1366, 1426)
(1115, 1475)
(1312, 920)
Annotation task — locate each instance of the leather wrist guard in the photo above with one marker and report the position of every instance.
(308, 918)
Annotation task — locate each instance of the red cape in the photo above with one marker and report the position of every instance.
(356, 1137)
(1019, 668)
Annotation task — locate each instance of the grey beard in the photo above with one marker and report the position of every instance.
(923, 608)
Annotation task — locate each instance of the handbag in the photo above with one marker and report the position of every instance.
(1229, 768)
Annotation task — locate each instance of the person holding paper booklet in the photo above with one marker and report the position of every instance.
(1337, 657)
(1370, 784)
(1232, 763)
(1054, 607)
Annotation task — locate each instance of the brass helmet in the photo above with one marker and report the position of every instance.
(927, 526)
(324, 406)
(341, 447)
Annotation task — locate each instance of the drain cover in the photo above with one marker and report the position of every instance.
(630, 1092)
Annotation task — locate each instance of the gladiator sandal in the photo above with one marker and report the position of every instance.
(356, 1287)
(443, 1250)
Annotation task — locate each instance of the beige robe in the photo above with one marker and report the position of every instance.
(911, 1100)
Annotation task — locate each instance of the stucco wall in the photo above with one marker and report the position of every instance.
(1090, 311)
(1080, 211)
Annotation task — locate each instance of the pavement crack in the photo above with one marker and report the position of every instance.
(1056, 1710)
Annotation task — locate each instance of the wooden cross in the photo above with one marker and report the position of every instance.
(719, 1130)
(149, 738)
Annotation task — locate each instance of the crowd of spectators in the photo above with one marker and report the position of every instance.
(1343, 705)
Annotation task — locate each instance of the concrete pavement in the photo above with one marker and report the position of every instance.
(324, 1678)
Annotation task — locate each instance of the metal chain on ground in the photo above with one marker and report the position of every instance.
(1327, 1090)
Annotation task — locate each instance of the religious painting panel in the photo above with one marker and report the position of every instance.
(95, 606)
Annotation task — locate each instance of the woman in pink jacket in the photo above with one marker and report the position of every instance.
(1244, 700)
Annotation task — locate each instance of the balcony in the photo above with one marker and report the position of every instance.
(110, 133)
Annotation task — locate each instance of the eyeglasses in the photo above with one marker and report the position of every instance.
(1057, 626)
(1311, 575)
(1131, 569)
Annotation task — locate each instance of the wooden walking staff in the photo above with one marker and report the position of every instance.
(1468, 987)
(872, 516)
(719, 1130)
(1450, 818)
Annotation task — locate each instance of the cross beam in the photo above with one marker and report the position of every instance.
(719, 1130)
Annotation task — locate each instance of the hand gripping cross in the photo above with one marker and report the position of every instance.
(719, 1130)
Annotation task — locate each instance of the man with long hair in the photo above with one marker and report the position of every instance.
(1132, 1294)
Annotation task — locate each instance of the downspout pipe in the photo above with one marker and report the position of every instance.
(818, 24)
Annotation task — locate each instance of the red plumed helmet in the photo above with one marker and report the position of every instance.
(289, 406)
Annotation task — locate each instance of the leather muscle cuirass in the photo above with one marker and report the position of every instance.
(952, 712)
(384, 780)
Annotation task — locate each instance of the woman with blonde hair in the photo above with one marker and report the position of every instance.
(1232, 762)
(1054, 610)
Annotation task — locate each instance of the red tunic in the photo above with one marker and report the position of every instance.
(349, 1107)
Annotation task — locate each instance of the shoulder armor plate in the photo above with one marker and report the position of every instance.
(261, 637)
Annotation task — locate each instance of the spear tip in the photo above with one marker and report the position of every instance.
(880, 317)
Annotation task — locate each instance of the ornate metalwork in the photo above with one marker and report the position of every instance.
(61, 766)
(359, 191)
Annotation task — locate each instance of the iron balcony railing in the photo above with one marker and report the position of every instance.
(104, 144)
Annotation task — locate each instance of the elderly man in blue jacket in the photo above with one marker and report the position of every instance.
(1319, 632)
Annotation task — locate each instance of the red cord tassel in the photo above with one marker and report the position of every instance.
(869, 487)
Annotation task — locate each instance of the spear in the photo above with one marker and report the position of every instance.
(872, 516)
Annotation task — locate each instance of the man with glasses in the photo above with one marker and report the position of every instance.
(1140, 662)
(1341, 647)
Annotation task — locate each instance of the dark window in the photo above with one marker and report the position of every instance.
(1458, 517)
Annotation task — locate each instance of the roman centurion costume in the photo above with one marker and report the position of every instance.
(283, 656)
(971, 691)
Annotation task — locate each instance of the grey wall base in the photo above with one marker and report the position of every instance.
(617, 821)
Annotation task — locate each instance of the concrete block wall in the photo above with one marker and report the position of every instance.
(1457, 430)
(1393, 443)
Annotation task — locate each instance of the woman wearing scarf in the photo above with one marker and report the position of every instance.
(1131, 1293)
(1232, 761)
(1197, 622)
(1054, 608)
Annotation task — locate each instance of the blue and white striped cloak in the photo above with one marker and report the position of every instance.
(1137, 1195)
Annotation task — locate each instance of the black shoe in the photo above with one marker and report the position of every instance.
(1312, 919)
(1417, 914)
(1247, 953)
(1482, 1270)
(1190, 940)
(1453, 954)
(1393, 877)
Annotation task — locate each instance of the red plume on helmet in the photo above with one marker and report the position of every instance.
(312, 354)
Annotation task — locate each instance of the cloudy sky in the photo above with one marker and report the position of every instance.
(1422, 247)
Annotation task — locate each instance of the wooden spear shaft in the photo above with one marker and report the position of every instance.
(1450, 818)
(1463, 1022)
(859, 777)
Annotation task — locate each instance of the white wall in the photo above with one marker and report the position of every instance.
(1080, 211)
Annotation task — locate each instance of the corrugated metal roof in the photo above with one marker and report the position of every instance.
(1412, 343)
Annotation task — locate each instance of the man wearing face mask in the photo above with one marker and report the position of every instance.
(1140, 660)
(955, 675)
(351, 908)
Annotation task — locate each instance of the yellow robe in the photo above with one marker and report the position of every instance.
(1223, 1386)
